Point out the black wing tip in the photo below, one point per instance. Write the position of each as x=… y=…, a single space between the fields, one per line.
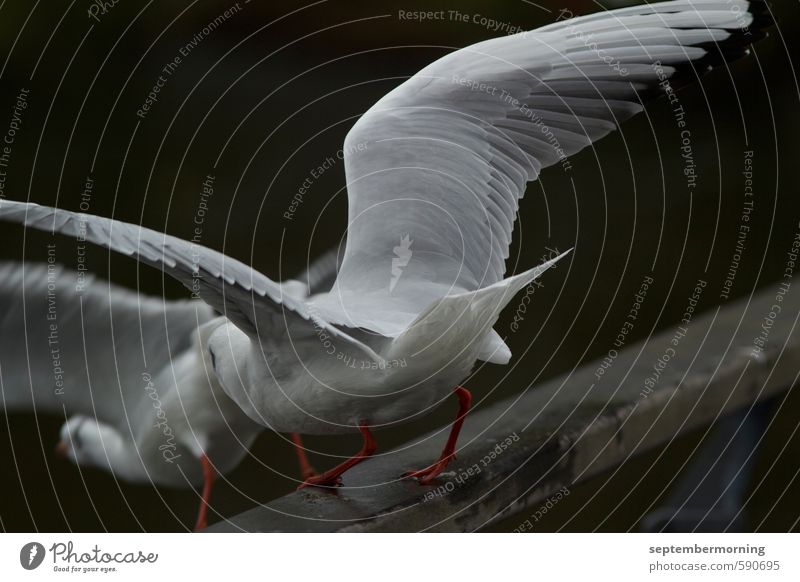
x=732 y=49
x=762 y=14
x=742 y=38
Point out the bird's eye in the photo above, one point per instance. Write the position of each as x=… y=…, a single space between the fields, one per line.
x=213 y=359
x=77 y=440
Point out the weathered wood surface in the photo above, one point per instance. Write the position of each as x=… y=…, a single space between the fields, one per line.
x=564 y=431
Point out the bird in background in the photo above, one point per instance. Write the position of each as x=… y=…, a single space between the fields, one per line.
x=129 y=372
x=442 y=160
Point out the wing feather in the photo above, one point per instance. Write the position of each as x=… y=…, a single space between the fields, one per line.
x=253 y=302
x=443 y=159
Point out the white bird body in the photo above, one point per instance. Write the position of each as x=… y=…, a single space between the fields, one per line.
x=348 y=390
x=435 y=171
x=128 y=371
x=326 y=386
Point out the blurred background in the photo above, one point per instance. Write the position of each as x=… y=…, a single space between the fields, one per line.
x=266 y=97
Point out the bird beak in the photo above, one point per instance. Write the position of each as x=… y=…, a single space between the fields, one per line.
x=61 y=449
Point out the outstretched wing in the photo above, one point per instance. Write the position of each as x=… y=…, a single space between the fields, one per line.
x=253 y=302
x=318 y=277
x=74 y=343
x=71 y=342
x=435 y=169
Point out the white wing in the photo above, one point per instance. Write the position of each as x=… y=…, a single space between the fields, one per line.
x=435 y=169
x=318 y=277
x=62 y=333
x=253 y=302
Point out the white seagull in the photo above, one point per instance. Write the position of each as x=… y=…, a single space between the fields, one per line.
x=130 y=372
x=434 y=173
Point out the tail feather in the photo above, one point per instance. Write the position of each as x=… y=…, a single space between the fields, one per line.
x=464 y=321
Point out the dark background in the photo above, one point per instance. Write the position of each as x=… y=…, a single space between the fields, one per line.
x=272 y=93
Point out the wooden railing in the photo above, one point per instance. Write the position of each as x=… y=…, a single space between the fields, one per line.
x=519 y=454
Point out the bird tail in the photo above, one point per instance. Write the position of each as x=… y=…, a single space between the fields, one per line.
x=463 y=322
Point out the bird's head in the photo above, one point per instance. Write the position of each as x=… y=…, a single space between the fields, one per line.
x=216 y=358
x=81 y=441
x=226 y=350
x=89 y=443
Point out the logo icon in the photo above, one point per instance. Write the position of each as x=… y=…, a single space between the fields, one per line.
x=402 y=254
x=31 y=555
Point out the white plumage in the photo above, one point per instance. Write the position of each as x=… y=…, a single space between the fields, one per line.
x=434 y=172
x=130 y=373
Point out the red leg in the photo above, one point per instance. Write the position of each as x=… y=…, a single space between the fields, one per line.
x=306 y=470
x=209 y=475
x=428 y=474
x=332 y=477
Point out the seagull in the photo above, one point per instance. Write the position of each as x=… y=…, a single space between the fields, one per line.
x=435 y=170
x=131 y=373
